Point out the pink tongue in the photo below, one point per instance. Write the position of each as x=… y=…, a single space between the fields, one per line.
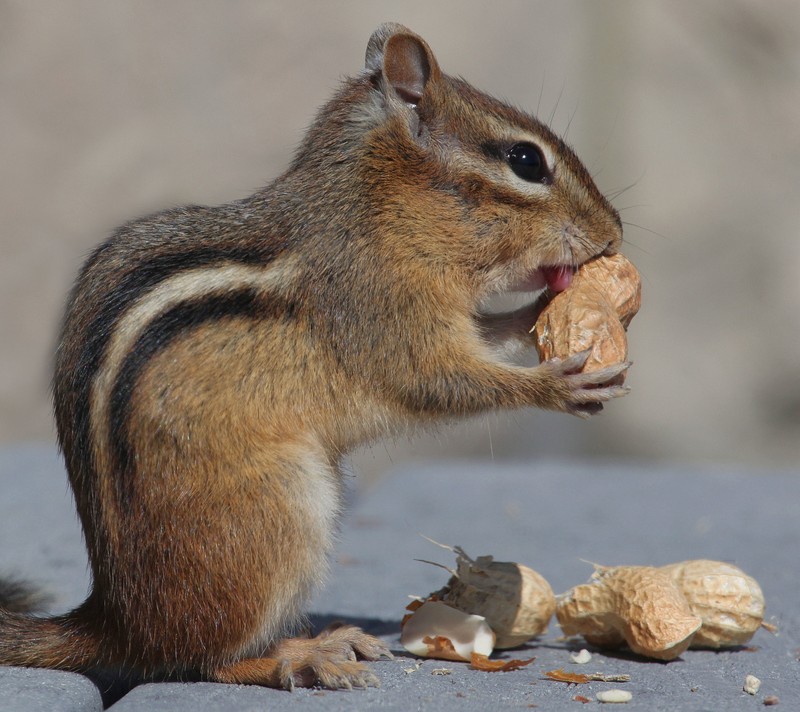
x=557 y=278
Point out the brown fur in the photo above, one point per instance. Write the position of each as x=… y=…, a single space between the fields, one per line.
x=216 y=363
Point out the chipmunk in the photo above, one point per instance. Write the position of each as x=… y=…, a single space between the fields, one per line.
x=217 y=363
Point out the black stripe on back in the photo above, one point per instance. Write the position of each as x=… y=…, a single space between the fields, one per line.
x=132 y=286
x=159 y=334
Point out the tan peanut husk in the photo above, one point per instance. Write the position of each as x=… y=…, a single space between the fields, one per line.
x=639 y=605
x=593 y=313
x=586 y=610
x=728 y=601
x=516 y=601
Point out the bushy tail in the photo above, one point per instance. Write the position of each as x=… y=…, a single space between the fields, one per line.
x=21 y=597
x=60 y=642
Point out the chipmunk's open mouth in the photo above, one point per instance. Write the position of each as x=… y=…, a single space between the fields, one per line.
x=555 y=277
x=558 y=278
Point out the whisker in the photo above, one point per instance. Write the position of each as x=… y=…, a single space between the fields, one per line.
x=555 y=108
x=614 y=194
x=541 y=91
x=627 y=243
x=634 y=207
x=569 y=123
x=646 y=229
x=604 y=147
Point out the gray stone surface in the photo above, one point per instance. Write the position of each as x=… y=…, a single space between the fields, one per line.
x=26 y=690
x=553 y=516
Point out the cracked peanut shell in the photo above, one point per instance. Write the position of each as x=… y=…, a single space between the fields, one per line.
x=516 y=601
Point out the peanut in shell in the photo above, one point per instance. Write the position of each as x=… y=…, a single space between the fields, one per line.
x=660 y=612
x=728 y=601
x=637 y=605
x=592 y=314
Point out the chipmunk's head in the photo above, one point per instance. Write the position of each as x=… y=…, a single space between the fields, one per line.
x=476 y=181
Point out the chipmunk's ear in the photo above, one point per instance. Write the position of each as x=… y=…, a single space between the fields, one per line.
x=405 y=61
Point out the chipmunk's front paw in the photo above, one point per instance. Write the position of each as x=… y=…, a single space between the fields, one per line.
x=583 y=394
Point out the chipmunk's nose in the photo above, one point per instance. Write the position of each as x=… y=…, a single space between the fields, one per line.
x=573 y=234
x=611 y=248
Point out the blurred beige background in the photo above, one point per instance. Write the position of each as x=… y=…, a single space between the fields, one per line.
x=112 y=109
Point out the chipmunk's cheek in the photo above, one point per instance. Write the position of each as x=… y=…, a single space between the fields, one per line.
x=534 y=282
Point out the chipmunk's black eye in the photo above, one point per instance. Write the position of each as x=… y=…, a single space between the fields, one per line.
x=527 y=161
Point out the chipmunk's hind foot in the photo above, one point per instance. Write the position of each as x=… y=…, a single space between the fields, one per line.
x=329 y=660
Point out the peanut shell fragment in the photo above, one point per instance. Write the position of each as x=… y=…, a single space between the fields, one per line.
x=516 y=601
x=436 y=630
x=482 y=662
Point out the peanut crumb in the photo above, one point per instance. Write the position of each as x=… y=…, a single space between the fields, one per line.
x=751 y=684
x=582 y=657
x=614 y=696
